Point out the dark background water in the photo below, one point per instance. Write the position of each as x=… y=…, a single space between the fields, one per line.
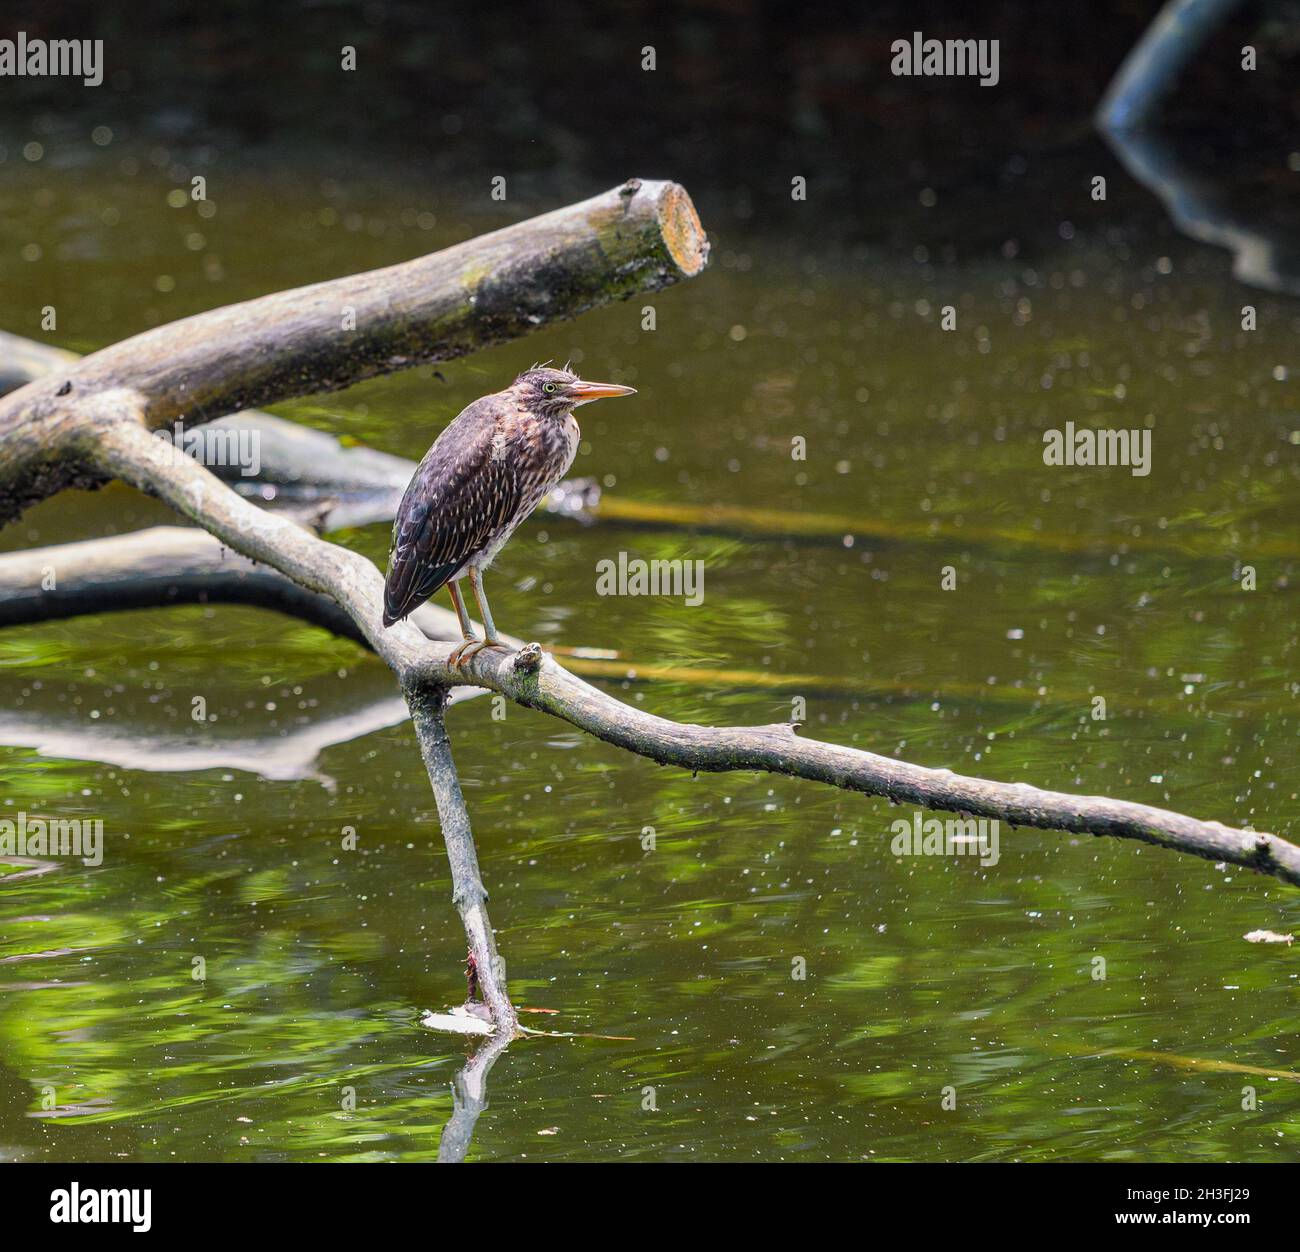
x=816 y=319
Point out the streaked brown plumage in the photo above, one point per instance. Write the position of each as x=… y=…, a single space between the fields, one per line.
x=483 y=475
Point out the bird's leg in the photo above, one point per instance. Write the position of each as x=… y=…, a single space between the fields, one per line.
x=471 y=647
x=466 y=627
x=490 y=637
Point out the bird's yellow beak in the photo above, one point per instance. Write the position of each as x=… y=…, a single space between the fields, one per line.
x=584 y=393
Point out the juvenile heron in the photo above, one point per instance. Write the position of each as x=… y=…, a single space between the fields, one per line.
x=484 y=474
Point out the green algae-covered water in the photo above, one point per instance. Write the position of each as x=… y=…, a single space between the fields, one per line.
x=948 y=1009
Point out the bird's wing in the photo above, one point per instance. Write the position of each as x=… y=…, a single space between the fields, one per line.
x=460 y=496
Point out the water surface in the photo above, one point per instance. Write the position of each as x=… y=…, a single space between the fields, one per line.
x=922 y=973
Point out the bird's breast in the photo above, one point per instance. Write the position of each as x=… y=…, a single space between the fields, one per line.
x=540 y=449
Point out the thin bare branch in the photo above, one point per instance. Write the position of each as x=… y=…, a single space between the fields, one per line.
x=426 y=703
x=532 y=679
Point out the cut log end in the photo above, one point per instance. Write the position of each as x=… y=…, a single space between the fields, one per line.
x=683 y=235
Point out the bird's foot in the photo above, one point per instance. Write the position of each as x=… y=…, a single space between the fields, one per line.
x=454 y=657
x=470 y=649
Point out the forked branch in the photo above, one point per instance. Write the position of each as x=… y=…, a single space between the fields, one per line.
x=92 y=423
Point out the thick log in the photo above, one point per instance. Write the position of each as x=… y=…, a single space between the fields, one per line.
x=289 y=455
x=639 y=237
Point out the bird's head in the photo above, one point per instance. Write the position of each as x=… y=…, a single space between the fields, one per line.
x=553 y=393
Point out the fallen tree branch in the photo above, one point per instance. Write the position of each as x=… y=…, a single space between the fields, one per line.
x=537 y=681
x=532 y=679
x=154 y=568
x=641 y=236
x=99 y=429
x=173 y=564
x=164 y=566
x=89 y=421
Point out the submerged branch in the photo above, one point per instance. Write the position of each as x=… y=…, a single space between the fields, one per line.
x=164 y=566
x=427 y=703
x=357 y=485
x=469 y=1099
x=1153 y=66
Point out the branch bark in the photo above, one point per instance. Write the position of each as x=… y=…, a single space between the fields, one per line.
x=536 y=681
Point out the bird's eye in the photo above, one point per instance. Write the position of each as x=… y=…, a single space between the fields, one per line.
x=549 y=388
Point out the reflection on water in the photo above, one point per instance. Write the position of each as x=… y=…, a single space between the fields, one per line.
x=1238 y=198
x=281 y=749
x=319 y=952
x=470 y=1092
x=1238 y=205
